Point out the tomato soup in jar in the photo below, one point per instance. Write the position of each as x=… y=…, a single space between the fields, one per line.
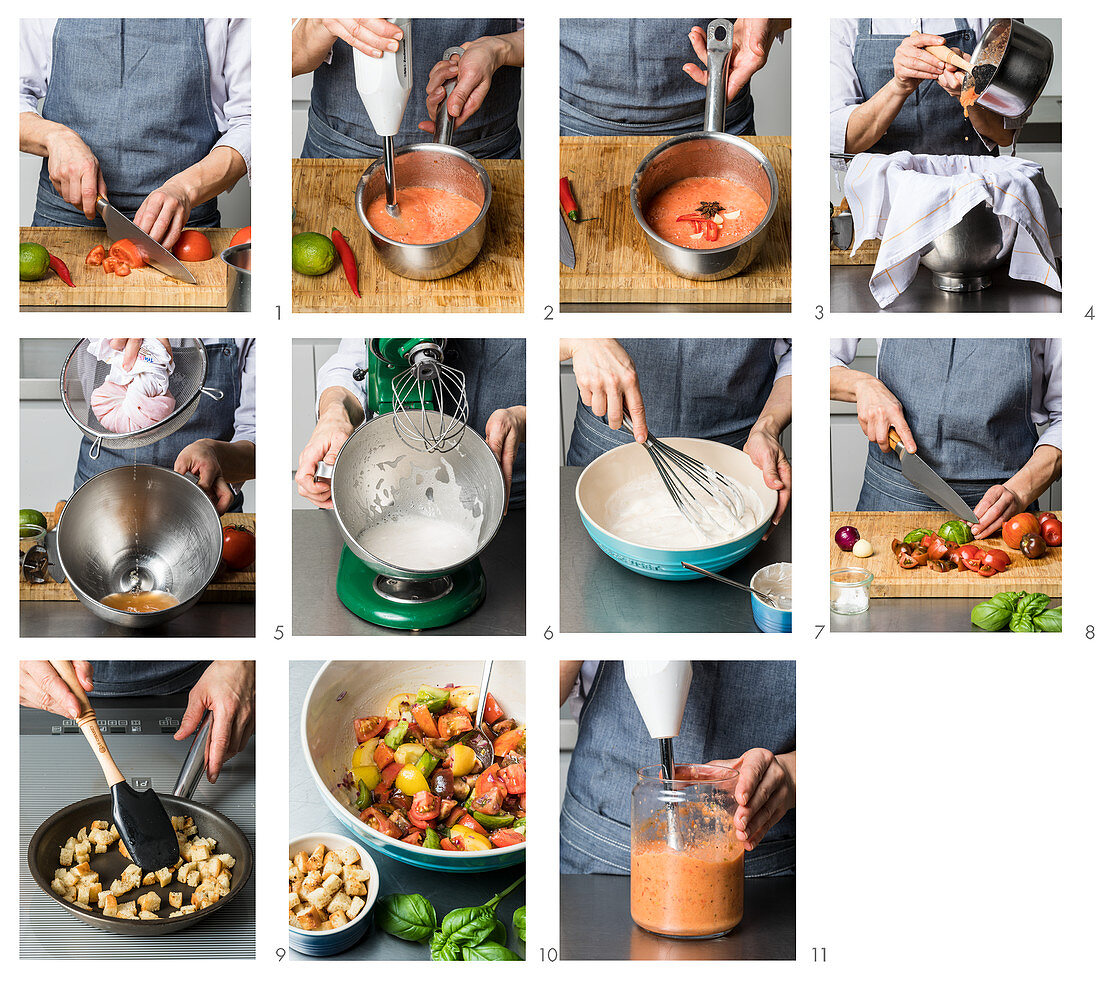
x=705 y=212
x=427 y=215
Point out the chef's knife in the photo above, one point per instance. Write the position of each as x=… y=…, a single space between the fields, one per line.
x=923 y=478
x=565 y=245
x=120 y=227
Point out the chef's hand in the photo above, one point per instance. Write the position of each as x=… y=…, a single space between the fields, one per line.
x=473 y=73
x=40 y=687
x=997 y=506
x=913 y=65
x=163 y=215
x=765 y=792
x=752 y=41
x=74 y=170
x=878 y=409
x=765 y=450
x=371 y=35
x=201 y=459
x=951 y=80
x=132 y=347
x=333 y=428
x=505 y=430
x=607 y=381
x=228 y=690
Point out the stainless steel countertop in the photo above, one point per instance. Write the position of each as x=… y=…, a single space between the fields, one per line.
x=599 y=595
x=848 y=293
x=317 y=609
x=596 y=924
x=912 y=614
x=446 y=891
x=71 y=619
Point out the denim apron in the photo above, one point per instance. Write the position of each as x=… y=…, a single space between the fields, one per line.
x=711 y=388
x=624 y=77
x=145 y=678
x=930 y=121
x=213 y=420
x=732 y=706
x=338 y=124
x=138 y=93
x=968 y=403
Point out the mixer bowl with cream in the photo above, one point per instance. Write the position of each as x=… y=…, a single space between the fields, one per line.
x=630 y=516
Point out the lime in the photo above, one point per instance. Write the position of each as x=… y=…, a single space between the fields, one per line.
x=28 y=518
x=312 y=253
x=34 y=261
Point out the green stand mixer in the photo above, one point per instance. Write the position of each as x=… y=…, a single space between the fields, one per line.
x=417 y=495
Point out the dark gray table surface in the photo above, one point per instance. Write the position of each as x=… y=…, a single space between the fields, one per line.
x=848 y=293
x=596 y=924
x=446 y=891
x=318 y=610
x=71 y=619
x=598 y=595
x=911 y=614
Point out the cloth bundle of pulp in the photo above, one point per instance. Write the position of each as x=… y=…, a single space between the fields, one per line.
x=138 y=398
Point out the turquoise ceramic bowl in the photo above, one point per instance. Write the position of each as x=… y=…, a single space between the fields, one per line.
x=768 y=619
x=322 y=943
x=345 y=690
x=612 y=469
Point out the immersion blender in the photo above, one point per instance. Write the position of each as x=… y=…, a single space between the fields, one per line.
x=384 y=85
x=660 y=690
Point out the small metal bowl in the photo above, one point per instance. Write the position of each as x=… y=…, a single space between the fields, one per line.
x=963 y=258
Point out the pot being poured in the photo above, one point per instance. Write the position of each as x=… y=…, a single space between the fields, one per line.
x=710 y=154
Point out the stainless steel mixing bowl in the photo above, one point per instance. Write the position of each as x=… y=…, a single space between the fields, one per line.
x=963 y=258
x=238 y=262
x=433 y=165
x=712 y=153
x=370 y=484
x=140 y=527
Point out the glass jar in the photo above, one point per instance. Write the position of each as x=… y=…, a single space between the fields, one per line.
x=687 y=868
x=850 y=590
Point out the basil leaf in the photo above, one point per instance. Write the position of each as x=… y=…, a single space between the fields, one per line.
x=1007 y=601
x=1032 y=604
x=443 y=949
x=1022 y=623
x=519 y=922
x=990 y=616
x=499 y=934
x=469 y=925
x=489 y=951
x=408 y=916
x=1050 y=620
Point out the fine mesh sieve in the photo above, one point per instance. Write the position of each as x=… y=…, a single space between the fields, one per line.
x=83 y=373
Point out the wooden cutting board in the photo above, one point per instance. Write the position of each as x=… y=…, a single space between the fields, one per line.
x=881 y=528
x=144 y=287
x=229 y=587
x=324 y=196
x=865 y=255
x=614 y=264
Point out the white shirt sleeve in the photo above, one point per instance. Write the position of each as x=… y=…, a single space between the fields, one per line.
x=845 y=93
x=1046 y=364
x=337 y=371
x=782 y=351
x=842 y=351
x=35 y=51
x=244 y=419
x=231 y=89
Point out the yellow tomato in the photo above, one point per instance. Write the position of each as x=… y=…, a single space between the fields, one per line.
x=465 y=696
x=402 y=702
x=408 y=753
x=464 y=759
x=411 y=780
x=364 y=754
x=473 y=841
x=369 y=774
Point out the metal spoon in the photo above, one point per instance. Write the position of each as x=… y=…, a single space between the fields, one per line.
x=482 y=695
x=765 y=597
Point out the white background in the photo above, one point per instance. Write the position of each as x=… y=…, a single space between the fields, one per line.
x=947 y=802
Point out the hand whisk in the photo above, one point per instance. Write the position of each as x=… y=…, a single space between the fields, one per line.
x=704 y=496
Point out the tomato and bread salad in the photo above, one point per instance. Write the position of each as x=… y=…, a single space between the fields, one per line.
x=423 y=773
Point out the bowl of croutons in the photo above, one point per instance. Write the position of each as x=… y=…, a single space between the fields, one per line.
x=333 y=887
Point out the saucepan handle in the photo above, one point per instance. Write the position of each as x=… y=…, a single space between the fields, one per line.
x=444 y=121
x=195 y=762
x=719 y=46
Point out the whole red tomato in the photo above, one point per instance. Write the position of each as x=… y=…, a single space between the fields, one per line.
x=192 y=247
x=1051 y=531
x=238 y=547
x=1017 y=527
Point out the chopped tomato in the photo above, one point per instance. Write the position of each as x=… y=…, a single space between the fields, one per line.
x=471 y=823
x=490 y=802
x=379 y=822
x=389 y=774
x=367 y=728
x=454 y=723
x=122 y=269
x=110 y=264
x=424 y=720
x=446 y=843
x=938 y=548
x=192 y=247
x=493 y=712
x=126 y=251
x=489 y=779
x=383 y=756
x=974 y=564
x=413 y=837
x=515 y=778
x=425 y=808
x=502 y=838
x=971 y=551
x=95 y=257
x=511 y=740
x=997 y=558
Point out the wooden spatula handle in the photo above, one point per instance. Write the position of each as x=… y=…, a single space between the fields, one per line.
x=944 y=53
x=87 y=722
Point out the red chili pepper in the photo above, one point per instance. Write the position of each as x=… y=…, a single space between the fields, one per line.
x=711 y=231
x=347 y=257
x=61 y=269
x=568 y=202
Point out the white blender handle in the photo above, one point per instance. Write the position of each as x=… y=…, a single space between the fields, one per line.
x=444 y=121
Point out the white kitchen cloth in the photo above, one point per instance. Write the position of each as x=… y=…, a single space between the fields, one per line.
x=150 y=372
x=905 y=200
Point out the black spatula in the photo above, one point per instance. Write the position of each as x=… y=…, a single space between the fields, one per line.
x=142 y=822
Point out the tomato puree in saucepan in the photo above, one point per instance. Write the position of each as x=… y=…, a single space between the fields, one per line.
x=696 y=891
x=427 y=215
x=734 y=209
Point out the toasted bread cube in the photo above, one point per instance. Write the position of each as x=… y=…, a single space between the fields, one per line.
x=188 y=909
x=148 y=915
x=83 y=869
x=66 y=855
x=163 y=876
x=312 y=881
x=300 y=862
x=223 y=884
x=293 y=900
x=311 y=920
x=149 y=901
x=199 y=851
x=340 y=902
x=149 y=879
x=317 y=857
x=332 y=865
x=175 y=899
x=82 y=835
x=118 y=888
x=122 y=848
x=193 y=878
x=79 y=904
x=128 y=909
x=184 y=871
x=58 y=887
x=100 y=824
x=350 y=856
x=357 y=904
x=82 y=897
x=94 y=891
x=107 y=901
x=227 y=861
x=337 y=919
